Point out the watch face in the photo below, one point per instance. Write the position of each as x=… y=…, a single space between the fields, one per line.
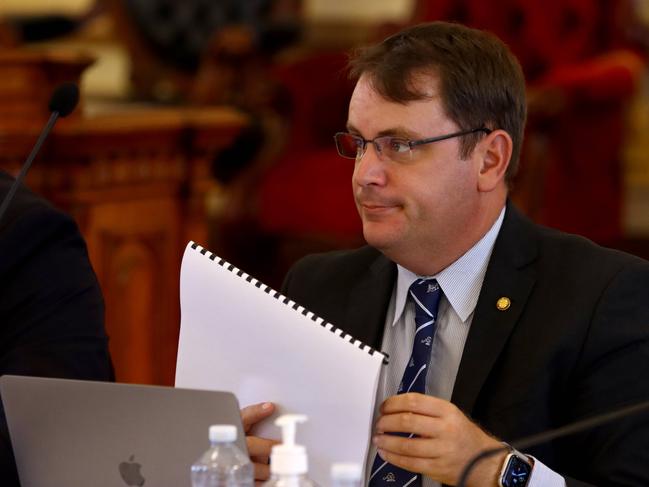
x=517 y=473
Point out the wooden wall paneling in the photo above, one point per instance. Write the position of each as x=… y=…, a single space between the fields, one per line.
x=135 y=181
x=136 y=248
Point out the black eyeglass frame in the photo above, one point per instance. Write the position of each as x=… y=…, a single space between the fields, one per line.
x=411 y=143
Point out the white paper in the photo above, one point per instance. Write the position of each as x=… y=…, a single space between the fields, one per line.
x=236 y=337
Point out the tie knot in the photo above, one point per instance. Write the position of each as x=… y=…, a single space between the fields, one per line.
x=426 y=294
x=423 y=288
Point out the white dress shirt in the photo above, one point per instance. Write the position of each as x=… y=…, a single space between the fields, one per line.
x=461 y=283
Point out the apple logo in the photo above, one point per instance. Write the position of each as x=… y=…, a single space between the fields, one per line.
x=130 y=472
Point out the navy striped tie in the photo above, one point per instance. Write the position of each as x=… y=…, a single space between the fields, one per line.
x=425 y=293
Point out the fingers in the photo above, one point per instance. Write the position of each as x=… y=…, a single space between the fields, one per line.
x=412 y=464
x=414 y=402
x=251 y=415
x=417 y=424
x=259 y=447
x=262 y=472
x=411 y=447
x=259 y=451
x=416 y=413
x=441 y=438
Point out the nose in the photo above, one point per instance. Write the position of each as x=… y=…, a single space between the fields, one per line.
x=369 y=169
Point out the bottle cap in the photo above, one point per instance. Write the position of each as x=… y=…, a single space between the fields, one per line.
x=223 y=433
x=288 y=458
x=348 y=472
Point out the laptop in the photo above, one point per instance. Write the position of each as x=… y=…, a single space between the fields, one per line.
x=70 y=433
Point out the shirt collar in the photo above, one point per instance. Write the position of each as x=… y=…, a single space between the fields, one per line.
x=460 y=282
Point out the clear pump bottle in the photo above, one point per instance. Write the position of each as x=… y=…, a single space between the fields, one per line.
x=288 y=461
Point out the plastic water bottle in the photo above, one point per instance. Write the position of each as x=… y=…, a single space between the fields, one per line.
x=224 y=464
x=346 y=475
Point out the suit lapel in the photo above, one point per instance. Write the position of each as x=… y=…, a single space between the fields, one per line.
x=369 y=300
x=509 y=274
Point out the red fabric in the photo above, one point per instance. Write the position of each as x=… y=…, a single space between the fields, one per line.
x=557 y=41
x=510 y=22
x=318 y=92
x=310 y=194
x=308 y=191
x=583 y=183
x=439 y=10
x=609 y=77
x=562 y=31
x=566 y=48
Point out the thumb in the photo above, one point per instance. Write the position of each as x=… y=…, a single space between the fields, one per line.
x=251 y=415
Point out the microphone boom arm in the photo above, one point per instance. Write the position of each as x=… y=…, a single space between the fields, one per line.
x=23 y=170
x=545 y=436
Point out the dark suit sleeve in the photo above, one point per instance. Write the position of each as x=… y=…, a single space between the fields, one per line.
x=51 y=307
x=612 y=373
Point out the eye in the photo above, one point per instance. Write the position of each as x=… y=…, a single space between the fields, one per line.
x=398 y=146
x=349 y=145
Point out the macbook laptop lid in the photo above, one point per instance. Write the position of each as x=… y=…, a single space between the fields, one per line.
x=69 y=433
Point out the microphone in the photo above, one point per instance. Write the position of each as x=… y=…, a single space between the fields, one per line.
x=64 y=99
x=63 y=102
x=545 y=436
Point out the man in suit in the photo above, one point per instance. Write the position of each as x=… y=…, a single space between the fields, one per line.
x=531 y=328
x=51 y=305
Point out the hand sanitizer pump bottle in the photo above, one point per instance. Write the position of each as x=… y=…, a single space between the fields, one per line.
x=288 y=461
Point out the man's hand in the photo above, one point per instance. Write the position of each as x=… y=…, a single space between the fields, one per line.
x=258 y=448
x=446 y=441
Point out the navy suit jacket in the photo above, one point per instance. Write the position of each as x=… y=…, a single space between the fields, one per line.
x=51 y=307
x=574 y=342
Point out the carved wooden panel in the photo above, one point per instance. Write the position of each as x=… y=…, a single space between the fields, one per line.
x=135 y=181
x=135 y=249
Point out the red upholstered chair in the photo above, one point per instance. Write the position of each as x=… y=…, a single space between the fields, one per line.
x=586 y=75
x=582 y=185
x=300 y=200
x=581 y=75
x=307 y=193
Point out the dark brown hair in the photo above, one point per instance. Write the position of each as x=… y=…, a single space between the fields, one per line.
x=481 y=82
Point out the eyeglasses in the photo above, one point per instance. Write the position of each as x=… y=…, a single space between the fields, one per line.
x=394 y=148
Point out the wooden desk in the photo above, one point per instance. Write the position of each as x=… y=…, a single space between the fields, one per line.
x=135 y=181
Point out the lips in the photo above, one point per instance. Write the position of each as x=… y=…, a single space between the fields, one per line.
x=376 y=208
x=370 y=202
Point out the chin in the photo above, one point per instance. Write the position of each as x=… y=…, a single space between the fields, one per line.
x=381 y=240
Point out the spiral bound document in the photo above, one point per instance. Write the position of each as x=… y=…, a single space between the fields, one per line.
x=238 y=335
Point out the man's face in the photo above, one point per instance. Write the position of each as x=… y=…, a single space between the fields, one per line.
x=410 y=209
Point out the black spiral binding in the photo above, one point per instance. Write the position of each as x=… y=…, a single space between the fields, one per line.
x=289 y=302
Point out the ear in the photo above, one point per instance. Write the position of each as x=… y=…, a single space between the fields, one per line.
x=495 y=154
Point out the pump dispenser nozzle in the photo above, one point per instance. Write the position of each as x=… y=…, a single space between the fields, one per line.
x=288 y=458
x=288 y=424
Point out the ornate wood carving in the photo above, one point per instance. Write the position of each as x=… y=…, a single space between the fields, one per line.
x=135 y=181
